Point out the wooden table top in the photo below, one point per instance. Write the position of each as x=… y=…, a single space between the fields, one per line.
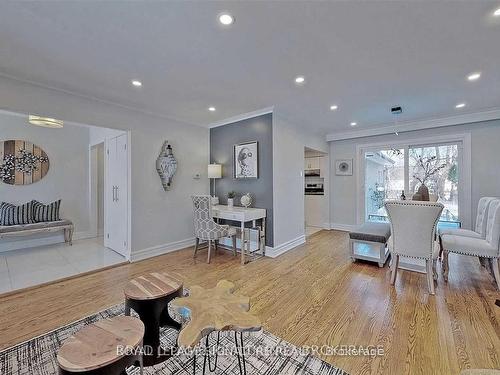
x=95 y=346
x=151 y=286
x=215 y=309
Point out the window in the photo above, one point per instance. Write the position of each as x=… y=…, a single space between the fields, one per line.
x=390 y=172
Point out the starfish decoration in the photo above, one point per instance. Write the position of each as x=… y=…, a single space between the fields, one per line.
x=216 y=309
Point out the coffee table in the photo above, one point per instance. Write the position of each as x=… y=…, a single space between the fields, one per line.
x=148 y=295
x=216 y=309
x=106 y=347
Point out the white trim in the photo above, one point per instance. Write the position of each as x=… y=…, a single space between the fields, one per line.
x=343 y=227
x=36 y=240
x=327 y=226
x=243 y=116
x=166 y=248
x=276 y=251
x=492 y=114
x=465 y=191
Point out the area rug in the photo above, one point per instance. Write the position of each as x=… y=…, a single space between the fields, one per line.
x=269 y=354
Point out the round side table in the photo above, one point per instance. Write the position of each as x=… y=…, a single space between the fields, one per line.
x=148 y=295
x=106 y=347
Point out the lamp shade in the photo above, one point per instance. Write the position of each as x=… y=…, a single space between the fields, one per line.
x=214 y=171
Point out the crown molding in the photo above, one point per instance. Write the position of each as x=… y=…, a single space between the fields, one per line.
x=492 y=114
x=243 y=116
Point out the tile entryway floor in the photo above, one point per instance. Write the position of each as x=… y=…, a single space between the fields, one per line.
x=27 y=267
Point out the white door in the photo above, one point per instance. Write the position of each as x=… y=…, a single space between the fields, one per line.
x=116 y=200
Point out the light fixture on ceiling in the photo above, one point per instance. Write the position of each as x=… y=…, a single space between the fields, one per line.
x=46 y=122
x=226 y=19
x=496 y=13
x=354 y=123
x=211 y=109
x=300 y=80
x=474 y=76
x=460 y=105
x=136 y=83
x=334 y=107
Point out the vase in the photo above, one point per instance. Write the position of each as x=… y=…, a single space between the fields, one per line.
x=230 y=202
x=422 y=194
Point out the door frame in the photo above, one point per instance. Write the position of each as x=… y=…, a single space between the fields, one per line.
x=129 y=189
x=465 y=188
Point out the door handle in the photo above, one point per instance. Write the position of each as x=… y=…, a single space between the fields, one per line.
x=117 y=197
x=114 y=193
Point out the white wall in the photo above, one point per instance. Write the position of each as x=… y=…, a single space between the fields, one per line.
x=67 y=178
x=485 y=172
x=161 y=220
x=289 y=140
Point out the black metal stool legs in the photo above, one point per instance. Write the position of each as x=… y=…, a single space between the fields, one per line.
x=240 y=346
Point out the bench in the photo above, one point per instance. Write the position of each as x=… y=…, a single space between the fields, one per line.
x=374 y=237
x=35 y=228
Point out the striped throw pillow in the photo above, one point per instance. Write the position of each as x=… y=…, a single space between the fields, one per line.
x=16 y=215
x=46 y=212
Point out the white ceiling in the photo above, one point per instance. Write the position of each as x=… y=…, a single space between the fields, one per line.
x=363 y=56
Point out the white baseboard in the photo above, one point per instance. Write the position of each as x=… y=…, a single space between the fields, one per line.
x=35 y=240
x=327 y=226
x=343 y=227
x=161 y=249
x=276 y=251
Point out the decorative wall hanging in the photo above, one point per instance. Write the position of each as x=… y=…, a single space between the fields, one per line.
x=343 y=167
x=246 y=160
x=166 y=165
x=22 y=162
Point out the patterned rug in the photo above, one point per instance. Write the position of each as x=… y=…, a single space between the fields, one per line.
x=267 y=354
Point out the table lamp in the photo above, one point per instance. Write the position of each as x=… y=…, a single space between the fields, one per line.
x=214 y=171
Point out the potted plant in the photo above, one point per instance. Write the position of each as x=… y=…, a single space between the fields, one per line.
x=427 y=167
x=230 y=198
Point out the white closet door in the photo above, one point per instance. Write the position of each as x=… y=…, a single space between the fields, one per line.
x=117 y=195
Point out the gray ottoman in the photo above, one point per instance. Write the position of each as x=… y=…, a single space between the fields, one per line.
x=369 y=242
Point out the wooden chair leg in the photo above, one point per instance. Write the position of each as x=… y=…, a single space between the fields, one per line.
x=394 y=268
x=209 y=251
x=445 y=265
x=196 y=245
x=434 y=270
x=430 y=278
x=496 y=272
x=234 y=244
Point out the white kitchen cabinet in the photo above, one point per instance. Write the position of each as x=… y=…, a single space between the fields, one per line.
x=314 y=210
x=312 y=163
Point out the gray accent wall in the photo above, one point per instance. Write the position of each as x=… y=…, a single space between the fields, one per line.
x=222 y=140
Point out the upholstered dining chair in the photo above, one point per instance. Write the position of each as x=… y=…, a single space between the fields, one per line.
x=413 y=233
x=206 y=229
x=488 y=247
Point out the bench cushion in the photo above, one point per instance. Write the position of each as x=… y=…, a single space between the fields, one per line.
x=372 y=232
x=23 y=227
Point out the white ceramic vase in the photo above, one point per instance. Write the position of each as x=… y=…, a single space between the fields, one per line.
x=230 y=202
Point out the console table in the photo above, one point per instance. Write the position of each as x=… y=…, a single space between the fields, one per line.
x=244 y=215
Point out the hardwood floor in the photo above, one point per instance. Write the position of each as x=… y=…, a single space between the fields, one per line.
x=312 y=295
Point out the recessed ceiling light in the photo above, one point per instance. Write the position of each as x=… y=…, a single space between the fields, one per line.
x=300 y=80
x=354 y=123
x=460 y=105
x=496 y=13
x=211 y=109
x=226 y=19
x=136 y=83
x=333 y=107
x=45 y=122
x=474 y=76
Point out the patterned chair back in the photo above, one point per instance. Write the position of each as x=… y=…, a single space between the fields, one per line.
x=205 y=228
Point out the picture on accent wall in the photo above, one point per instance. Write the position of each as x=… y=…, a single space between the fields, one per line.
x=246 y=160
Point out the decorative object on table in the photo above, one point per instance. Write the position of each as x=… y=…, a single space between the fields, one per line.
x=166 y=165
x=214 y=172
x=22 y=162
x=343 y=167
x=426 y=166
x=37 y=356
x=246 y=160
x=148 y=295
x=95 y=348
x=230 y=198
x=246 y=200
x=403 y=196
x=214 y=200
